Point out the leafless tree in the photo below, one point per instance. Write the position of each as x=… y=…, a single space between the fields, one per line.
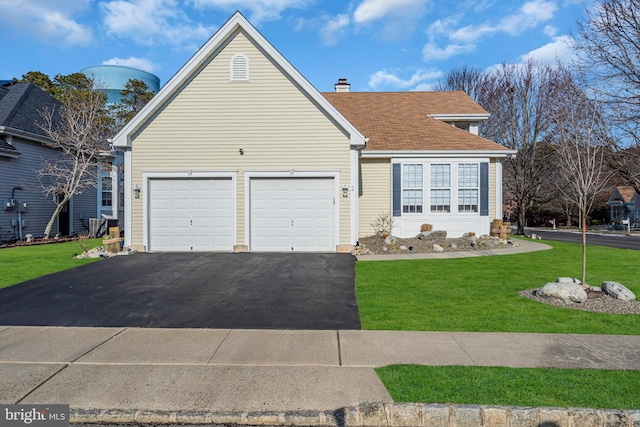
x=519 y=98
x=582 y=145
x=76 y=130
x=608 y=44
x=466 y=78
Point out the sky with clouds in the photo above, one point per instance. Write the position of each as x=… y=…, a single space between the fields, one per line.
x=378 y=45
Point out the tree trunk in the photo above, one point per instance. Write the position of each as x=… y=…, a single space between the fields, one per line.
x=522 y=214
x=56 y=212
x=584 y=252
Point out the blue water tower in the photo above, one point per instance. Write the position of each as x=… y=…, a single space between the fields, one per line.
x=115 y=77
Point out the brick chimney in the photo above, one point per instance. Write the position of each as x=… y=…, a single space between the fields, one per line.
x=342 y=85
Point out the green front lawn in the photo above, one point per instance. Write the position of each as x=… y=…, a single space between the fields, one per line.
x=481 y=293
x=578 y=388
x=29 y=262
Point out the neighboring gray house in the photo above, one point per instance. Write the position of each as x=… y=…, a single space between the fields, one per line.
x=624 y=204
x=21 y=154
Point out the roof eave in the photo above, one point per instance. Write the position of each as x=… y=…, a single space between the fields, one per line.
x=438 y=153
x=23 y=134
x=460 y=117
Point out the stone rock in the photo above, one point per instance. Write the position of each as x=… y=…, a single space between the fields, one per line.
x=453 y=246
x=433 y=235
x=384 y=249
x=403 y=248
x=565 y=292
x=568 y=280
x=535 y=237
x=486 y=237
x=438 y=248
x=29 y=238
x=100 y=254
x=384 y=234
x=618 y=291
x=426 y=227
x=390 y=240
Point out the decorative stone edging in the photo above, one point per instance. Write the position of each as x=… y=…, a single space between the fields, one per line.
x=375 y=415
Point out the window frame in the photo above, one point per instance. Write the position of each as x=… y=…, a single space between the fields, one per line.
x=464 y=185
x=417 y=188
x=106 y=190
x=439 y=188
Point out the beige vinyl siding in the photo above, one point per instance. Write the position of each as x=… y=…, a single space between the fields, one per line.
x=375 y=198
x=492 y=189
x=206 y=124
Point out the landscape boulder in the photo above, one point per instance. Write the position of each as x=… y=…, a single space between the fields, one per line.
x=426 y=227
x=437 y=248
x=569 y=280
x=565 y=292
x=617 y=291
x=390 y=240
x=433 y=235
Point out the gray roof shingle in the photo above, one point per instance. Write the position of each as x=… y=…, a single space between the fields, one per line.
x=21 y=105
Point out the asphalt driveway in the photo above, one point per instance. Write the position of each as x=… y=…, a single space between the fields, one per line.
x=192 y=290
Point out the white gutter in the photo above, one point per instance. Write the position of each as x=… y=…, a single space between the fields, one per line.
x=438 y=153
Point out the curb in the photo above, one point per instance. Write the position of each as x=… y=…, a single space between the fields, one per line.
x=373 y=415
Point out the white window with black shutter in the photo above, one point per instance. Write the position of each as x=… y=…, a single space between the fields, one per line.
x=450 y=194
x=412 y=184
x=468 y=186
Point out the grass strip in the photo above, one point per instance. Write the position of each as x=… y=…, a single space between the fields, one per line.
x=481 y=293
x=578 y=388
x=22 y=263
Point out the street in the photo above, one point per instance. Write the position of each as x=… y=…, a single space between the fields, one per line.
x=622 y=241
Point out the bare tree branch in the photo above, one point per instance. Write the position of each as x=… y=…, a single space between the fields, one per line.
x=76 y=130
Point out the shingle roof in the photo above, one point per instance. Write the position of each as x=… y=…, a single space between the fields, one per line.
x=400 y=120
x=626 y=192
x=21 y=104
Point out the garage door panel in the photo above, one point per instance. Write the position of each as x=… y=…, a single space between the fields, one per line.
x=292 y=214
x=191 y=214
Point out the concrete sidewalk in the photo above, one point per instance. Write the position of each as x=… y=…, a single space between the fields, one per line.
x=219 y=371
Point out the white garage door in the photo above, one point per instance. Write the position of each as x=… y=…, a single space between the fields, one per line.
x=191 y=215
x=292 y=214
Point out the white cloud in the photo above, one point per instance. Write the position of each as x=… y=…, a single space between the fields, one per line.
x=151 y=22
x=559 y=49
x=371 y=10
x=550 y=30
x=387 y=79
x=530 y=15
x=48 y=21
x=260 y=10
x=432 y=52
x=398 y=17
x=139 y=63
x=471 y=33
x=333 y=29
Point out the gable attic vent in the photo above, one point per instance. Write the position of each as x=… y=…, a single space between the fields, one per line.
x=239 y=68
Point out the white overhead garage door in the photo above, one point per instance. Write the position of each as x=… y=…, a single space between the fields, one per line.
x=191 y=214
x=292 y=214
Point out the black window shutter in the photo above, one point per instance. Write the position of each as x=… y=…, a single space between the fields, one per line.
x=484 y=189
x=397 y=189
